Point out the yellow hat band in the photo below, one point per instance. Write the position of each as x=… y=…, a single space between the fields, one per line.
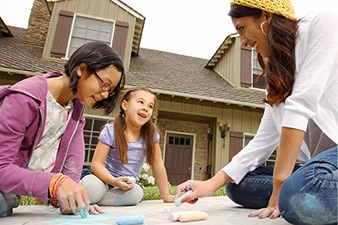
x=280 y=7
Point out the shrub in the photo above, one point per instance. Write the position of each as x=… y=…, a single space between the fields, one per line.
x=145 y=178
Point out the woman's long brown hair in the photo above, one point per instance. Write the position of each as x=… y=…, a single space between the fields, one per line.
x=148 y=131
x=279 y=70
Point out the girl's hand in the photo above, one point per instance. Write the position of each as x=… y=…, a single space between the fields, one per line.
x=168 y=199
x=122 y=183
x=72 y=197
x=95 y=209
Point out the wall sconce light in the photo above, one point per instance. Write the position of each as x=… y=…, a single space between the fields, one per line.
x=209 y=135
x=224 y=129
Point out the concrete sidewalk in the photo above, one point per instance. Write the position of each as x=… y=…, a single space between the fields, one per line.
x=221 y=211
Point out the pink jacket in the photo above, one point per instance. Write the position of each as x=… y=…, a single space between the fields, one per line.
x=23 y=115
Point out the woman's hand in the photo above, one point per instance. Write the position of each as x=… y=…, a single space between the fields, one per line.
x=270 y=211
x=72 y=197
x=199 y=188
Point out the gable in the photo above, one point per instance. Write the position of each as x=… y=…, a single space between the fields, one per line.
x=124 y=34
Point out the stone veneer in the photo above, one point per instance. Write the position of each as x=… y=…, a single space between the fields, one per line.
x=38 y=23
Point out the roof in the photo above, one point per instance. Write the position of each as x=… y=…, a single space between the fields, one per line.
x=221 y=49
x=163 y=72
x=4 y=31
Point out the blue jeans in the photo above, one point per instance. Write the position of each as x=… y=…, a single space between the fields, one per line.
x=308 y=196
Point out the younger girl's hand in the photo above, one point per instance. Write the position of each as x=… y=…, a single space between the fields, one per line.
x=122 y=183
x=95 y=209
x=169 y=198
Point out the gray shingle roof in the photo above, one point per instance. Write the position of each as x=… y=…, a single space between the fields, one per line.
x=163 y=72
x=186 y=76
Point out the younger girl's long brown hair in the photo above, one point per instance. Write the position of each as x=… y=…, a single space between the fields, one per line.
x=147 y=131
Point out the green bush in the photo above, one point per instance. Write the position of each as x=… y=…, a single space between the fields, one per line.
x=150 y=193
x=153 y=193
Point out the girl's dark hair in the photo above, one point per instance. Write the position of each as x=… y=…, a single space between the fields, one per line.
x=96 y=55
x=279 y=71
x=148 y=131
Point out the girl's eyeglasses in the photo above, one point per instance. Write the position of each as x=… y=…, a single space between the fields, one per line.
x=105 y=86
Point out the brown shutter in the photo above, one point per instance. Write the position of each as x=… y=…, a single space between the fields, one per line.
x=236 y=143
x=62 y=33
x=120 y=37
x=246 y=67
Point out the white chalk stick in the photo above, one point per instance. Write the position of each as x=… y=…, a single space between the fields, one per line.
x=178 y=201
x=131 y=180
x=174 y=215
x=186 y=217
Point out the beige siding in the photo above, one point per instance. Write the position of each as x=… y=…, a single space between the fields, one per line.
x=240 y=119
x=196 y=117
x=105 y=9
x=228 y=65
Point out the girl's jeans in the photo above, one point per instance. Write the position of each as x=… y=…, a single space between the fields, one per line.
x=308 y=196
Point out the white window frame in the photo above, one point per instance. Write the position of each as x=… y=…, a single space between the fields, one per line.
x=256 y=69
x=71 y=49
x=91 y=134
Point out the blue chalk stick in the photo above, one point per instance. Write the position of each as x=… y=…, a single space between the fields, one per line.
x=130 y=220
x=178 y=201
x=82 y=214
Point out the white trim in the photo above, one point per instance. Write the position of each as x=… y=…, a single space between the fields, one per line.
x=128 y=9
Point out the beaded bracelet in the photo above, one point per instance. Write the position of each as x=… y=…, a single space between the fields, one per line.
x=55 y=183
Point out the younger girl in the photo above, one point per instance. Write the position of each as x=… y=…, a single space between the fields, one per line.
x=122 y=149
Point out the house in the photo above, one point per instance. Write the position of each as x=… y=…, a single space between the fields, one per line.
x=208 y=109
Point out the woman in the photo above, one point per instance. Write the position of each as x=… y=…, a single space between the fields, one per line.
x=41 y=128
x=299 y=62
x=122 y=149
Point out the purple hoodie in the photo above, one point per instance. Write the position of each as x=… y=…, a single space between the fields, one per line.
x=21 y=131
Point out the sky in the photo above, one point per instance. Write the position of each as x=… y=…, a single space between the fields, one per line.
x=186 y=27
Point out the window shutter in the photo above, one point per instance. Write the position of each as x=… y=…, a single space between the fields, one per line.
x=62 y=33
x=246 y=67
x=236 y=143
x=120 y=37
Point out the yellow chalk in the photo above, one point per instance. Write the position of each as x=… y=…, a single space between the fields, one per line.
x=186 y=216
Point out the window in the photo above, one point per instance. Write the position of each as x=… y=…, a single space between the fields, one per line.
x=256 y=71
x=247 y=138
x=239 y=140
x=250 y=69
x=74 y=30
x=91 y=134
x=86 y=29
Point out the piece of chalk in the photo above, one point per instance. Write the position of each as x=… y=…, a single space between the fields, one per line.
x=131 y=180
x=186 y=217
x=174 y=215
x=82 y=214
x=130 y=220
x=178 y=201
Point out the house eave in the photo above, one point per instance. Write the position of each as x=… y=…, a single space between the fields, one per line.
x=204 y=98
